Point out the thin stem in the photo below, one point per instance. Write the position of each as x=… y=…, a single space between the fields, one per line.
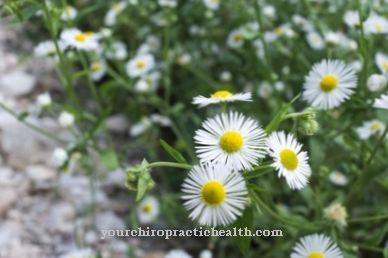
x=363 y=46
x=377 y=145
x=169 y=164
x=202 y=76
x=35 y=128
x=377 y=217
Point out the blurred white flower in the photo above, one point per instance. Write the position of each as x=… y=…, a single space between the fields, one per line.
x=116 y=50
x=82 y=253
x=59 y=157
x=44 y=100
x=235 y=39
x=369 y=128
x=336 y=213
x=116 y=9
x=98 y=70
x=212 y=4
x=352 y=19
x=148 y=210
x=69 y=13
x=80 y=40
x=140 y=65
x=376 y=24
x=376 y=82
x=140 y=127
x=338 y=178
x=66 y=119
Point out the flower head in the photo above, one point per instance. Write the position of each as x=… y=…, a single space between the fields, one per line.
x=79 y=40
x=289 y=160
x=221 y=96
x=336 y=213
x=140 y=65
x=214 y=193
x=381 y=102
x=231 y=139
x=369 y=128
x=329 y=83
x=316 y=246
x=147 y=210
x=338 y=178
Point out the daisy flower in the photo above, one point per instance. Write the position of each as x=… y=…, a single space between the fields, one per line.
x=221 y=96
x=116 y=9
x=66 y=119
x=44 y=100
x=382 y=102
x=116 y=50
x=140 y=65
x=352 y=19
x=140 y=127
x=336 y=213
x=47 y=49
x=316 y=246
x=315 y=40
x=376 y=82
x=231 y=139
x=177 y=253
x=289 y=160
x=376 y=24
x=329 y=83
x=212 y=4
x=147 y=210
x=369 y=128
x=338 y=178
x=78 y=39
x=99 y=70
x=381 y=61
x=215 y=194
x=69 y=13
x=235 y=39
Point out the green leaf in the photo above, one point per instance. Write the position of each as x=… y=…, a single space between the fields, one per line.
x=25 y=14
x=245 y=221
x=256 y=188
x=141 y=188
x=274 y=124
x=174 y=153
x=385 y=252
x=249 y=35
x=109 y=159
x=378 y=238
x=351 y=143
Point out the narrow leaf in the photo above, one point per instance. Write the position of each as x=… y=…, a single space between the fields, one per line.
x=174 y=153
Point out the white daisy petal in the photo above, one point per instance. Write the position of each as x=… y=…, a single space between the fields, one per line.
x=316 y=246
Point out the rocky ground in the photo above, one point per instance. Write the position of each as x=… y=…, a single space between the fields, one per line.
x=44 y=212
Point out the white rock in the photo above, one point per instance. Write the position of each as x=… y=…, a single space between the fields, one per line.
x=39 y=173
x=117 y=124
x=6 y=177
x=8 y=196
x=17 y=83
x=109 y=220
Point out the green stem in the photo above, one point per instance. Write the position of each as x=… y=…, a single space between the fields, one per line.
x=377 y=145
x=202 y=76
x=35 y=128
x=169 y=164
x=377 y=217
x=363 y=47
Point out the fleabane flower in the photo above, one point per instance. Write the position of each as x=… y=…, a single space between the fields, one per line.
x=316 y=246
x=352 y=19
x=98 y=70
x=215 y=194
x=289 y=160
x=235 y=39
x=231 y=139
x=369 y=128
x=212 y=4
x=140 y=65
x=111 y=15
x=381 y=61
x=44 y=100
x=79 y=40
x=336 y=213
x=116 y=50
x=177 y=253
x=338 y=178
x=221 y=96
x=315 y=40
x=381 y=102
x=69 y=13
x=329 y=83
x=48 y=50
x=66 y=119
x=376 y=82
x=376 y=24
x=147 y=210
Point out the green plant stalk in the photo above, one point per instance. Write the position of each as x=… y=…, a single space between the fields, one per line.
x=202 y=76
x=166 y=77
x=259 y=19
x=69 y=82
x=363 y=48
x=377 y=217
x=278 y=217
x=169 y=164
x=35 y=128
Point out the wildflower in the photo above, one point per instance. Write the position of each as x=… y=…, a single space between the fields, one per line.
x=376 y=82
x=381 y=61
x=140 y=65
x=215 y=194
x=269 y=11
x=265 y=90
x=161 y=120
x=369 y=128
x=329 y=83
x=352 y=19
x=147 y=210
x=289 y=160
x=221 y=96
x=168 y=3
x=47 y=49
x=235 y=39
x=338 y=178
x=206 y=254
x=376 y=24
x=69 y=13
x=382 y=102
x=336 y=213
x=139 y=128
x=78 y=39
x=225 y=76
x=212 y=4
x=111 y=15
x=44 y=100
x=66 y=119
x=316 y=246
x=98 y=70
x=59 y=157
x=177 y=253
x=332 y=38
x=231 y=139
x=116 y=50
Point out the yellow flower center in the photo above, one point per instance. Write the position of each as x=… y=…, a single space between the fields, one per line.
x=117 y=7
x=379 y=27
x=231 y=141
x=222 y=94
x=80 y=37
x=316 y=255
x=329 y=83
x=278 y=31
x=289 y=159
x=68 y=10
x=88 y=33
x=375 y=126
x=237 y=38
x=213 y=193
x=385 y=65
x=96 y=66
x=147 y=208
x=141 y=64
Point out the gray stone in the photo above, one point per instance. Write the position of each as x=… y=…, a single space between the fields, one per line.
x=17 y=83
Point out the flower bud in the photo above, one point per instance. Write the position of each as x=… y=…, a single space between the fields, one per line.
x=376 y=82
